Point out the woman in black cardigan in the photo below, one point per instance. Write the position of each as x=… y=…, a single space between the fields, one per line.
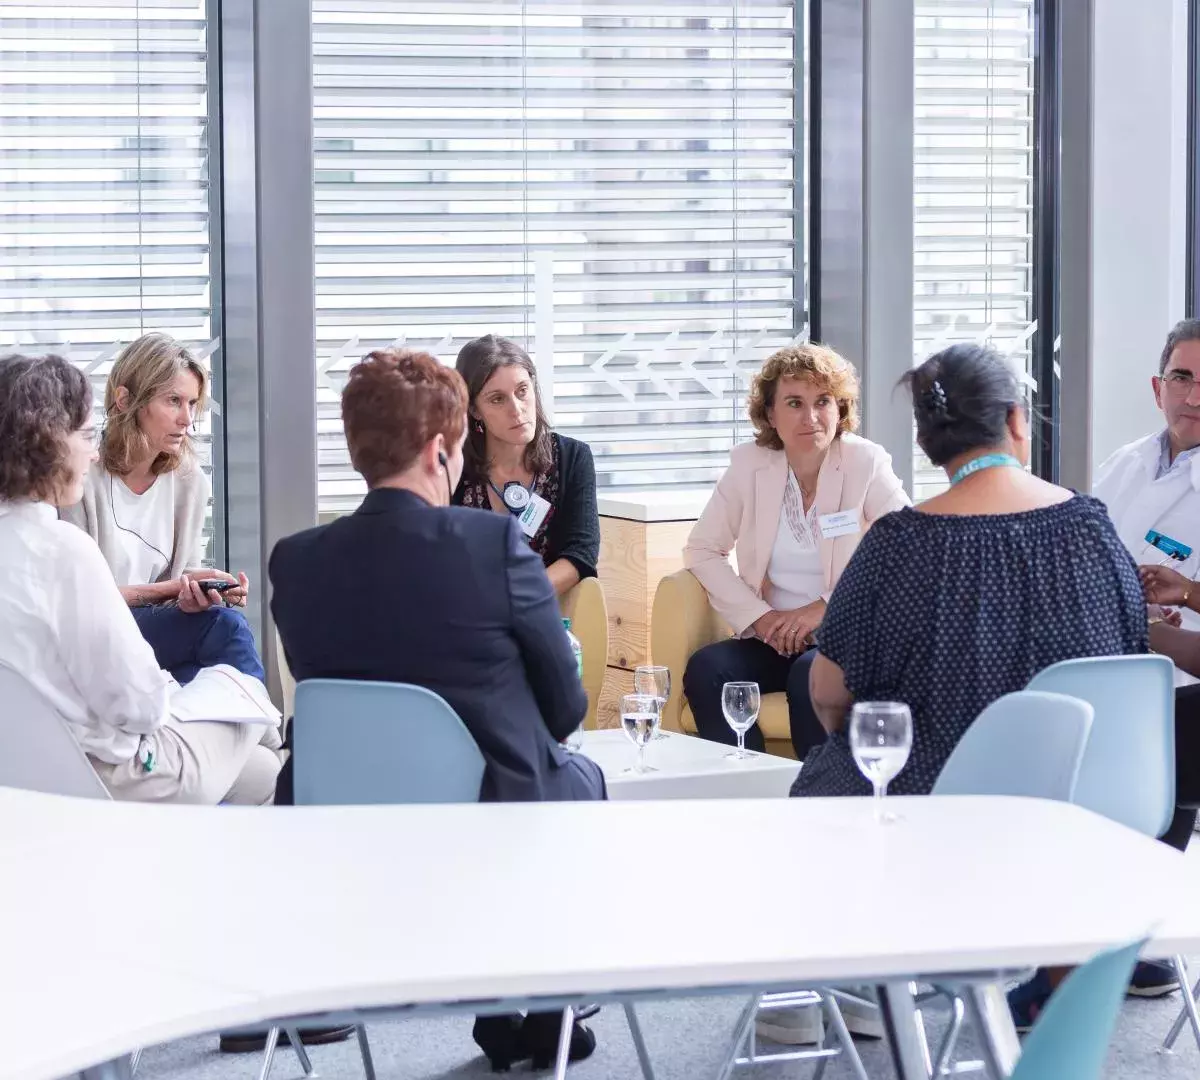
x=514 y=464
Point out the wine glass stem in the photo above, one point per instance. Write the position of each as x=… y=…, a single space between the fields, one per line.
x=641 y=758
x=741 y=750
x=880 y=792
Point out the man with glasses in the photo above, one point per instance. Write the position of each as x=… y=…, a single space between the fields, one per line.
x=1152 y=487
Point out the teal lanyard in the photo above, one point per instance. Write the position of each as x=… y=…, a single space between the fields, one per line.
x=985 y=461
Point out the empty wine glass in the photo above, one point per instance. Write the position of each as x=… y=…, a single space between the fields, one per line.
x=740 y=703
x=880 y=739
x=654 y=682
x=640 y=714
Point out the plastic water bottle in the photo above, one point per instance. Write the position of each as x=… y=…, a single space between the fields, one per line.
x=574 y=741
x=576 y=648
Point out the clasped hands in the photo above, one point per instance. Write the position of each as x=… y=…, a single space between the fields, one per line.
x=789 y=633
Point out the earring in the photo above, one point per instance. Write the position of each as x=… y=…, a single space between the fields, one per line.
x=478 y=427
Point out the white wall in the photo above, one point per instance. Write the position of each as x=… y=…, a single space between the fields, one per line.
x=1139 y=139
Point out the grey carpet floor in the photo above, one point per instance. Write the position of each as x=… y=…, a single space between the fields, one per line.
x=686 y=1039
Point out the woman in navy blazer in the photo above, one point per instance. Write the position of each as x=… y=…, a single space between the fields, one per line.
x=409 y=589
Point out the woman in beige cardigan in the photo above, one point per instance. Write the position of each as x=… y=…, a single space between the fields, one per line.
x=793 y=505
x=144 y=503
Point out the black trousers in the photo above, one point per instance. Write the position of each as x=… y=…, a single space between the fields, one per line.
x=750 y=660
x=1187 y=767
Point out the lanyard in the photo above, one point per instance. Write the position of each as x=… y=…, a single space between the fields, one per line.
x=985 y=461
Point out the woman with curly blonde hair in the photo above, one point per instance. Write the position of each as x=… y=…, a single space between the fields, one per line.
x=144 y=503
x=793 y=504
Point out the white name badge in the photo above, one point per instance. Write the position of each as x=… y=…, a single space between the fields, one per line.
x=533 y=515
x=843 y=523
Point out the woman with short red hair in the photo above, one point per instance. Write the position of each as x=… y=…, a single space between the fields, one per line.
x=409 y=589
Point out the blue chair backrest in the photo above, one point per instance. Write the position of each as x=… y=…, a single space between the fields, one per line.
x=1028 y=743
x=1128 y=771
x=372 y=743
x=1071 y=1036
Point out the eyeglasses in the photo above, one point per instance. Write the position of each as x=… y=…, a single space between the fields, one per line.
x=1179 y=382
x=90 y=434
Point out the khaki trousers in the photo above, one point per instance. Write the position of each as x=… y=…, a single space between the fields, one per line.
x=201 y=762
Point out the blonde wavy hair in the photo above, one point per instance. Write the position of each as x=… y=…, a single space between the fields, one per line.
x=828 y=370
x=146 y=367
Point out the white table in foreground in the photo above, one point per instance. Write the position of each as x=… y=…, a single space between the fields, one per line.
x=687 y=768
x=123 y=925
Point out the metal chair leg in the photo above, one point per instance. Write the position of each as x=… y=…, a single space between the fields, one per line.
x=301 y=1050
x=1182 y=1018
x=364 y=1048
x=988 y=1008
x=919 y=1021
x=564 y=1043
x=134 y=1058
x=269 y=1053
x=1188 y=1010
x=639 y=1042
x=849 y=1050
x=941 y=1065
x=744 y=1023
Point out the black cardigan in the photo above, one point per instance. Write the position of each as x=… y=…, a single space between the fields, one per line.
x=574 y=530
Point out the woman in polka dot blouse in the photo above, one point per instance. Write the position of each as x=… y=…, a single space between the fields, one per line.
x=950 y=605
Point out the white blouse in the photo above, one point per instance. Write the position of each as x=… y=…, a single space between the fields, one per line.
x=795 y=574
x=69 y=633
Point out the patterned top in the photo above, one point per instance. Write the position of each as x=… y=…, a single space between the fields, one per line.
x=946 y=614
x=475 y=494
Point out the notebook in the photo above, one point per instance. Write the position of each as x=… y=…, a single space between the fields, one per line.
x=223 y=693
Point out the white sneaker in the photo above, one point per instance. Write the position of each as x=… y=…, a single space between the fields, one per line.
x=795 y=1027
x=862 y=1017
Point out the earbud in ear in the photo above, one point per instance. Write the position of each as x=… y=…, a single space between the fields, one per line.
x=441 y=459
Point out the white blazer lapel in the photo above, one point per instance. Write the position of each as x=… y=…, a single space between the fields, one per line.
x=770 y=480
x=829 y=501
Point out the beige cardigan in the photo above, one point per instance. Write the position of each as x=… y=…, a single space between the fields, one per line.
x=743 y=516
x=94 y=515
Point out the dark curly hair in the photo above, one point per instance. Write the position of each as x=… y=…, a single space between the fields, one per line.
x=42 y=400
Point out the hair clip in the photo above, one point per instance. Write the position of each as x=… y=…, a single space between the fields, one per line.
x=935 y=399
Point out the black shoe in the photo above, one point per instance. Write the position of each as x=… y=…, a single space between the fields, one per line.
x=249 y=1042
x=541 y=1035
x=502 y=1040
x=1152 y=979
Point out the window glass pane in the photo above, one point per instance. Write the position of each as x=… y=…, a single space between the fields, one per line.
x=973 y=181
x=614 y=183
x=104 y=180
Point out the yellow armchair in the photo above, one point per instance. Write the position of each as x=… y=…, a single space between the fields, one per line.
x=585 y=606
x=682 y=622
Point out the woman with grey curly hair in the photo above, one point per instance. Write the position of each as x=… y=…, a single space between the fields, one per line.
x=69 y=633
x=793 y=504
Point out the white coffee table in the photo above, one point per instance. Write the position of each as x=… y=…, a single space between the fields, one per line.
x=687 y=768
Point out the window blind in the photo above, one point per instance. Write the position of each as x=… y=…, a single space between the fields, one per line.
x=974 y=183
x=104 y=179
x=613 y=183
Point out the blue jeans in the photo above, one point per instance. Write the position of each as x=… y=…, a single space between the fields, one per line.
x=183 y=643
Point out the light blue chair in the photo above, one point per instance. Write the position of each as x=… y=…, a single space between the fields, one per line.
x=1128 y=771
x=1071 y=1036
x=375 y=743
x=372 y=743
x=1028 y=743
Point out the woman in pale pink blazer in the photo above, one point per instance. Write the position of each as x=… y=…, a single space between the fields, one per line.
x=793 y=505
